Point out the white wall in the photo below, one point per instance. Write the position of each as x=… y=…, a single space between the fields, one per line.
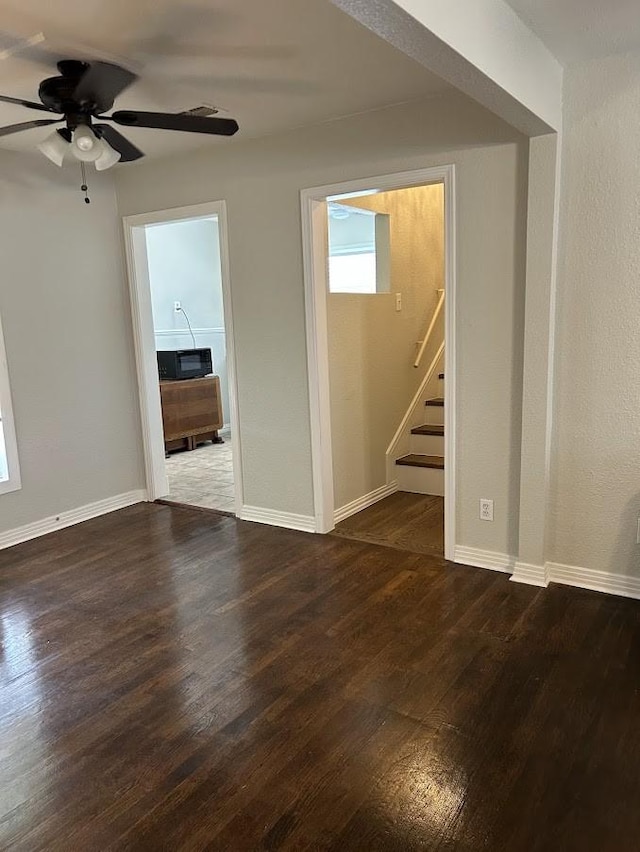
x=184 y=266
x=261 y=181
x=68 y=337
x=595 y=494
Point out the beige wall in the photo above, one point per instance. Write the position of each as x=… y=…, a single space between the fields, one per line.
x=261 y=181
x=67 y=330
x=595 y=493
x=372 y=347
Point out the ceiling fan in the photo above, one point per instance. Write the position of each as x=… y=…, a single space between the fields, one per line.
x=82 y=93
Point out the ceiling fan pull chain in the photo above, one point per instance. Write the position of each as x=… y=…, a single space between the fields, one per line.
x=84 y=186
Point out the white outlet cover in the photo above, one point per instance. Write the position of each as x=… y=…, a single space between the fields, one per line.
x=486 y=509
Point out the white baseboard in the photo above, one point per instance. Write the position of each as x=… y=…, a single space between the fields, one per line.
x=531 y=575
x=69 y=518
x=484 y=559
x=551 y=572
x=596 y=581
x=364 y=502
x=304 y=523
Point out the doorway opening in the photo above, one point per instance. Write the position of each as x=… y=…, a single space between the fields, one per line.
x=183 y=329
x=380 y=285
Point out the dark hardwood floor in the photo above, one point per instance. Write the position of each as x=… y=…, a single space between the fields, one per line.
x=173 y=680
x=413 y=522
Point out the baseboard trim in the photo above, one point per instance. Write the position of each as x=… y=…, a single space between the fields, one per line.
x=365 y=501
x=550 y=572
x=531 y=575
x=304 y=523
x=595 y=581
x=70 y=518
x=484 y=559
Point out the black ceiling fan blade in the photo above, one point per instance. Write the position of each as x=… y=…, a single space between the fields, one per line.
x=118 y=142
x=27 y=125
x=103 y=82
x=30 y=104
x=171 y=121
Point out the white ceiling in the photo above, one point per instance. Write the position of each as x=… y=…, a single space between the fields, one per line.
x=270 y=64
x=576 y=30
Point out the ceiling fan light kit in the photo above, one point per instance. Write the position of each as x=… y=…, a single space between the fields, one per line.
x=82 y=93
x=84 y=146
x=54 y=147
x=108 y=157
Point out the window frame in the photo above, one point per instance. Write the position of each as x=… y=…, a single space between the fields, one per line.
x=14 y=482
x=379 y=247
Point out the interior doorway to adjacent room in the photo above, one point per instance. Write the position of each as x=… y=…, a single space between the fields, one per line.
x=378 y=263
x=184 y=345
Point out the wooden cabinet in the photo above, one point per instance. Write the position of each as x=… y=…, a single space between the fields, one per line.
x=191 y=412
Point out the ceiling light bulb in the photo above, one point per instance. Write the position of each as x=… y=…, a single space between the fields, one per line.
x=84 y=138
x=85 y=144
x=55 y=147
x=108 y=156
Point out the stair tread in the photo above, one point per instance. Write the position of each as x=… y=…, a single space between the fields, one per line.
x=419 y=460
x=436 y=401
x=428 y=429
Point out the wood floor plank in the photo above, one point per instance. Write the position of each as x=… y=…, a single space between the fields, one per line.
x=176 y=680
x=405 y=521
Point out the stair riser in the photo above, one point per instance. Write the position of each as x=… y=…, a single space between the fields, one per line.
x=420 y=480
x=427 y=445
x=434 y=415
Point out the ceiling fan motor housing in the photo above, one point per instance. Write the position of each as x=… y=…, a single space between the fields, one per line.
x=57 y=93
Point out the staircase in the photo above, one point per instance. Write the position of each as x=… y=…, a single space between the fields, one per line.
x=421 y=471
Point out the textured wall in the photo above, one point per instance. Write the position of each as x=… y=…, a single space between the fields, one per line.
x=372 y=347
x=66 y=320
x=261 y=181
x=504 y=66
x=595 y=493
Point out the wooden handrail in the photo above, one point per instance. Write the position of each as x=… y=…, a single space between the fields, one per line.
x=435 y=316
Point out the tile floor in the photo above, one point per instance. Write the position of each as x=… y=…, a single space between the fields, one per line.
x=204 y=476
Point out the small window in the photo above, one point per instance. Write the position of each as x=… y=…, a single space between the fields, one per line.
x=359 y=250
x=9 y=468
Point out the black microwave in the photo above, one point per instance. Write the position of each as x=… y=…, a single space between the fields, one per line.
x=184 y=363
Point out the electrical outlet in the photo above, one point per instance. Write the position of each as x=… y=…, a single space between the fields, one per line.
x=486 y=509
x=177 y=306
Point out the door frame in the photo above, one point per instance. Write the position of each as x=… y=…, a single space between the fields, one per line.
x=315 y=253
x=144 y=341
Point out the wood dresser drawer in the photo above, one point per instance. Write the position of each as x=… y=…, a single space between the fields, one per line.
x=191 y=411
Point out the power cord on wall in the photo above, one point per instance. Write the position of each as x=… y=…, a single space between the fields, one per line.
x=182 y=310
